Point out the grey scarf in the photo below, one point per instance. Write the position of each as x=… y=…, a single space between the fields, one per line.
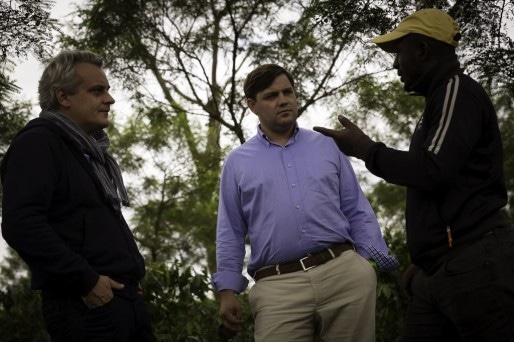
x=95 y=146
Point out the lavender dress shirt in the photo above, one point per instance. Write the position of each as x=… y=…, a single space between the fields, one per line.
x=290 y=202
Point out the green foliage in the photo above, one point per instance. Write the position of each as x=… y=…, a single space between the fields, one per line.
x=13 y=116
x=196 y=55
x=390 y=308
x=345 y=17
x=183 y=306
x=183 y=63
x=387 y=103
x=180 y=307
x=391 y=304
x=486 y=46
x=162 y=225
x=20 y=306
x=506 y=120
x=181 y=302
x=25 y=26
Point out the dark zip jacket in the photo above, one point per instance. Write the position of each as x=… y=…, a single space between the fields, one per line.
x=453 y=170
x=55 y=216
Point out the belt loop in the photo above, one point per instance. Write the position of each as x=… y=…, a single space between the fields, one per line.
x=277 y=268
x=331 y=253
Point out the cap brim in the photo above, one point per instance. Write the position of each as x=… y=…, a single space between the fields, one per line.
x=388 y=41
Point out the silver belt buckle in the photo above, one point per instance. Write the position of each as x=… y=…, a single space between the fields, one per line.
x=303 y=266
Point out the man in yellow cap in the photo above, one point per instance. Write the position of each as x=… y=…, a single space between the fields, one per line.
x=461 y=246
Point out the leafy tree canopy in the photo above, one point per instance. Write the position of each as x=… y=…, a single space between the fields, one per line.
x=487 y=27
x=25 y=26
x=183 y=62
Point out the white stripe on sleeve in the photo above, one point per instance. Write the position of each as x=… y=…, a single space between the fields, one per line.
x=446 y=115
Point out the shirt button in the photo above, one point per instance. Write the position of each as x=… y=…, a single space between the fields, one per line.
x=288 y=165
x=293 y=185
x=297 y=206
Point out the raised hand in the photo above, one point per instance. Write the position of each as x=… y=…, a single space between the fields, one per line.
x=350 y=139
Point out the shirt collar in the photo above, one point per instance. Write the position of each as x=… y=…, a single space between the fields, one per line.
x=265 y=140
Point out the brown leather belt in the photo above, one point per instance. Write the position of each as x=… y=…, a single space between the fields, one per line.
x=305 y=263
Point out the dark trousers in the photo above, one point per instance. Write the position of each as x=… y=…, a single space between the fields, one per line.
x=123 y=319
x=469 y=298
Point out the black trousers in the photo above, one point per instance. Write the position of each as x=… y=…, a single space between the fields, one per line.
x=469 y=298
x=123 y=319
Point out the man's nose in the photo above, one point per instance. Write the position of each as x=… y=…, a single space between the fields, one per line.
x=282 y=99
x=110 y=99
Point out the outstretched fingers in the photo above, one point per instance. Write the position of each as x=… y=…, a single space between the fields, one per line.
x=325 y=131
x=345 y=123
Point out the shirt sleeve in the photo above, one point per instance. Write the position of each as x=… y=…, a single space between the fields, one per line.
x=364 y=228
x=230 y=234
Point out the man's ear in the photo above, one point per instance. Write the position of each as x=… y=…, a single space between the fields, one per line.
x=62 y=98
x=251 y=104
x=424 y=51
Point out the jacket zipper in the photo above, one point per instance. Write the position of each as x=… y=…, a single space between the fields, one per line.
x=449 y=234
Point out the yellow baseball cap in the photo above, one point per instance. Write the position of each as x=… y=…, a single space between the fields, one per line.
x=430 y=22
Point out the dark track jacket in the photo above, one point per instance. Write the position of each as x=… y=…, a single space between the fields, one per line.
x=453 y=170
x=55 y=216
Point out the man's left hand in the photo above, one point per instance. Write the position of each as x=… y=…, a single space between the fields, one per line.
x=102 y=292
x=350 y=139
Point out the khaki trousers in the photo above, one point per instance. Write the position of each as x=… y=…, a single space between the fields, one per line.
x=334 y=302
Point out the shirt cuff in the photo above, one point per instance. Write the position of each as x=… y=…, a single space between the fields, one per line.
x=228 y=280
x=385 y=262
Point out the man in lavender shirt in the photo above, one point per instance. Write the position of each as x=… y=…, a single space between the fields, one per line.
x=295 y=196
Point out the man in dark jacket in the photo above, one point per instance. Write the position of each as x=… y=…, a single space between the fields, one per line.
x=456 y=235
x=61 y=209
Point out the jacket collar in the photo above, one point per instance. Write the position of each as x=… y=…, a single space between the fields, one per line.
x=438 y=74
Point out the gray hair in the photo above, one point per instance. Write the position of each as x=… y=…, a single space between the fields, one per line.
x=60 y=74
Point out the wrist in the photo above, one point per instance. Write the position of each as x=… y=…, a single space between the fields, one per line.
x=362 y=147
x=228 y=293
